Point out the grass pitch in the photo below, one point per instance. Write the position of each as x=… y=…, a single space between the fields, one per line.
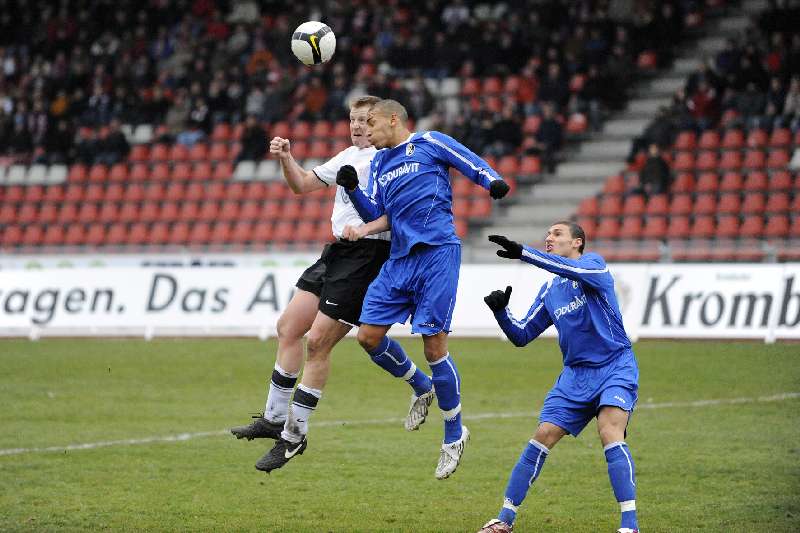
x=716 y=440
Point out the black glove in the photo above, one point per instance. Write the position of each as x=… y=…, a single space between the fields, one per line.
x=513 y=250
x=347 y=177
x=498 y=300
x=498 y=189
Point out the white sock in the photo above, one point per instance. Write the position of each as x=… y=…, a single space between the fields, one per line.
x=304 y=402
x=280 y=391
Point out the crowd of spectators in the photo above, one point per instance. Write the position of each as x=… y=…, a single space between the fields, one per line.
x=71 y=71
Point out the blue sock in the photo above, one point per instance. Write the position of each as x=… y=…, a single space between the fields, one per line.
x=447 y=383
x=622 y=474
x=390 y=356
x=523 y=475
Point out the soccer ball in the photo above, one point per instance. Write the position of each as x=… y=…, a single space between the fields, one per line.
x=313 y=43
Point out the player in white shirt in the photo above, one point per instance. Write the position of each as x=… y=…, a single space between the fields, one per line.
x=327 y=302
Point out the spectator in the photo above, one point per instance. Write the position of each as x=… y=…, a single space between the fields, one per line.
x=660 y=132
x=254 y=141
x=655 y=176
x=59 y=143
x=549 y=137
x=506 y=133
x=114 y=147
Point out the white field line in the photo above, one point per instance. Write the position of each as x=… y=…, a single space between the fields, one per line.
x=480 y=416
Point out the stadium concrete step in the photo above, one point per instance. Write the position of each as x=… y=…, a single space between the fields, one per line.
x=626 y=126
x=585 y=171
x=649 y=106
x=602 y=151
x=662 y=86
x=539 y=211
x=686 y=65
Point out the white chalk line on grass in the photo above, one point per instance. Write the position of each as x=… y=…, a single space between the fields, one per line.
x=480 y=416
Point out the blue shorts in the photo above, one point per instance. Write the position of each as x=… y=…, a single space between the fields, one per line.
x=422 y=285
x=581 y=391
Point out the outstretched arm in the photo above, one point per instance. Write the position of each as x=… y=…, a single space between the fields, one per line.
x=520 y=332
x=468 y=163
x=369 y=208
x=353 y=233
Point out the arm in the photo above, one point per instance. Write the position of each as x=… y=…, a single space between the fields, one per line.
x=300 y=181
x=353 y=233
x=468 y=163
x=368 y=204
x=520 y=332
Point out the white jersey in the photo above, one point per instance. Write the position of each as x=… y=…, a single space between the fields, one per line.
x=344 y=214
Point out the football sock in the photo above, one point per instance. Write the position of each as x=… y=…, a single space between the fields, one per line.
x=280 y=390
x=303 y=405
x=525 y=472
x=623 y=480
x=390 y=356
x=447 y=383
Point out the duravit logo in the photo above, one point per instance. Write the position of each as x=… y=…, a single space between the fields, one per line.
x=576 y=303
x=386 y=177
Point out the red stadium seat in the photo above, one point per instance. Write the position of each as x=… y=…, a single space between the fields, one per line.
x=209 y=211
x=633 y=205
x=733 y=139
x=655 y=227
x=508 y=166
x=154 y=191
x=88 y=212
x=780 y=180
x=159 y=233
x=588 y=225
x=221 y=132
x=149 y=212
x=138 y=234
x=27 y=213
x=48 y=212
x=301 y=130
x=77 y=172
x=128 y=212
x=117 y=234
x=678 y=227
x=777 y=203
x=608 y=228
x=263 y=232
x=754 y=159
x=703 y=227
x=647 y=60
x=139 y=172
x=322 y=130
x=707 y=160
x=686 y=141
x=218 y=152
x=709 y=140
x=222 y=171
x=752 y=226
x=684 y=161
x=614 y=184
x=756 y=181
x=319 y=149
x=180 y=172
x=33 y=235
x=305 y=231
x=731 y=182
x=200 y=233
x=480 y=207
x=577 y=123
x=179 y=233
x=283 y=231
x=175 y=191
x=707 y=182
x=794 y=229
x=756 y=138
x=780 y=137
x=461 y=207
x=229 y=210
x=195 y=191
x=730 y=160
x=657 y=204
x=705 y=204
x=178 y=153
x=727 y=227
x=75 y=235
x=729 y=203
x=531 y=124
x=610 y=205
x=529 y=165
x=341 y=130
x=53 y=235
x=461 y=187
x=95 y=234
x=139 y=153
x=681 y=205
x=159 y=152
x=242 y=232
x=470 y=87
x=202 y=170
x=188 y=211
x=492 y=85
x=220 y=233
x=118 y=172
x=198 y=152
x=588 y=207
x=170 y=211
x=684 y=183
x=160 y=172
x=281 y=129
x=269 y=211
x=778 y=159
x=53 y=193
x=777 y=226
x=631 y=227
x=753 y=203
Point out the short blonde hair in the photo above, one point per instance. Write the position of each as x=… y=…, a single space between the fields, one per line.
x=388 y=107
x=366 y=100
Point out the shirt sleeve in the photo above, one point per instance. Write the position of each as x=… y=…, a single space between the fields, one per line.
x=326 y=172
x=462 y=159
x=368 y=203
x=522 y=332
x=590 y=268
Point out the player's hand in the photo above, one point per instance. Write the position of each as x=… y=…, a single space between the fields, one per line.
x=353 y=233
x=498 y=189
x=347 y=177
x=512 y=249
x=279 y=146
x=498 y=300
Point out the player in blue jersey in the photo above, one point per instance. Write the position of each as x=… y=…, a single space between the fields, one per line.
x=410 y=192
x=600 y=376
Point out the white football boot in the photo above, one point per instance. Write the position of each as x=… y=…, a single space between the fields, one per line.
x=450 y=455
x=418 y=410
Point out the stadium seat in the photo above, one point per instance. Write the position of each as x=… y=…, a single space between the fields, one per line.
x=633 y=205
x=77 y=172
x=319 y=149
x=754 y=159
x=179 y=233
x=198 y=152
x=222 y=171
x=684 y=183
x=117 y=234
x=8 y=214
x=683 y=161
x=531 y=124
x=220 y=233
x=221 y=132
x=752 y=226
x=31 y=193
x=614 y=184
x=730 y=160
x=657 y=205
x=118 y=172
x=53 y=235
x=263 y=232
x=178 y=153
x=283 y=232
x=733 y=139
x=74 y=193
x=159 y=152
x=686 y=140
x=235 y=191
x=755 y=181
x=154 y=191
x=508 y=165
x=577 y=123
x=705 y=204
x=610 y=205
x=707 y=182
x=631 y=227
x=175 y=192
x=727 y=227
x=470 y=87
x=242 y=232
x=108 y=213
x=75 y=235
x=777 y=203
x=608 y=228
x=128 y=212
x=709 y=140
x=753 y=204
x=777 y=226
x=678 y=227
x=707 y=160
x=305 y=231
x=88 y=212
x=218 y=152
x=195 y=191
x=180 y=172
x=160 y=172
x=209 y=211
x=95 y=234
x=462 y=187
x=202 y=170
x=139 y=153
x=655 y=227
x=138 y=234
x=139 y=172
x=322 y=130
x=269 y=211
x=731 y=182
x=341 y=130
x=780 y=137
x=149 y=212
x=215 y=191
x=681 y=205
x=778 y=159
x=300 y=130
x=32 y=235
x=588 y=207
x=48 y=213
x=200 y=233
x=703 y=227
x=729 y=203
x=54 y=193
x=647 y=60
x=27 y=213
x=188 y=211
x=756 y=138
x=228 y=210
x=794 y=228
x=530 y=165
x=589 y=226
x=480 y=207
x=780 y=180
x=311 y=210
x=159 y=233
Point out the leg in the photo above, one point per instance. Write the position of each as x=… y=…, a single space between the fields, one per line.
x=389 y=355
x=295 y=321
x=611 y=424
x=527 y=469
x=324 y=334
x=446 y=382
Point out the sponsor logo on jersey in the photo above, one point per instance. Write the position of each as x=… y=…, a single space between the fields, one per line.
x=409 y=149
x=576 y=303
x=386 y=177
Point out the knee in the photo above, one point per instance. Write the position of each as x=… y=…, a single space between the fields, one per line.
x=368 y=339
x=286 y=329
x=317 y=346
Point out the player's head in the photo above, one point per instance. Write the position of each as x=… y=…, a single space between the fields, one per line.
x=359 y=107
x=387 y=124
x=565 y=238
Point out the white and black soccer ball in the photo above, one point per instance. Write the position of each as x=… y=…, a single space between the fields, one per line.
x=313 y=43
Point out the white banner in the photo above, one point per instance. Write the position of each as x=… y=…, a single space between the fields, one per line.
x=673 y=301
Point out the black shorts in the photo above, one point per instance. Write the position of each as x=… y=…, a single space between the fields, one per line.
x=342 y=274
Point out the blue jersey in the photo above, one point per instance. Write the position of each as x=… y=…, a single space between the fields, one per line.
x=580 y=302
x=410 y=183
